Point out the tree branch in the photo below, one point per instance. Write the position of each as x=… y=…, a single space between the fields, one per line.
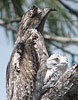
x=66 y=88
x=7 y=21
x=7 y=24
x=61 y=39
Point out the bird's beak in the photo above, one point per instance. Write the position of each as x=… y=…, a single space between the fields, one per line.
x=46 y=11
x=44 y=14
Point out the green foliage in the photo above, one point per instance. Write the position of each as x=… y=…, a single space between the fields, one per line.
x=18 y=7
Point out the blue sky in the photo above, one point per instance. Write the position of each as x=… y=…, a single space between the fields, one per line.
x=5 y=52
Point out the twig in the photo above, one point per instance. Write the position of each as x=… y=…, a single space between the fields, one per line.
x=7 y=21
x=61 y=39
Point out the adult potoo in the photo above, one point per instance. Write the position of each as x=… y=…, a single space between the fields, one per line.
x=28 y=55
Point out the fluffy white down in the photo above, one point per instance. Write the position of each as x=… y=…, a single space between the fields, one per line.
x=56 y=66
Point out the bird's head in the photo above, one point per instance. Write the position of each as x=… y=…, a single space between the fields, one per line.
x=35 y=18
x=58 y=61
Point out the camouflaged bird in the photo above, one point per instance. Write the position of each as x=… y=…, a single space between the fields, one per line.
x=28 y=55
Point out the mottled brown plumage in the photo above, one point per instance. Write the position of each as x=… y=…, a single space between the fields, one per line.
x=28 y=55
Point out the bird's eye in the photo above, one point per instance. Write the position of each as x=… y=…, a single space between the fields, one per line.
x=34 y=11
x=57 y=59
x=34 y=7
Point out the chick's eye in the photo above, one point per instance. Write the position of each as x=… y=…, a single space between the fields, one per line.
x=57 y=59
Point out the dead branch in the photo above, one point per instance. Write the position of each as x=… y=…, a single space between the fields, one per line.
x=66 y=88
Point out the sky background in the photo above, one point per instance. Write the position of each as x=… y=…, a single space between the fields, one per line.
x=5 y=52
x=6 y=48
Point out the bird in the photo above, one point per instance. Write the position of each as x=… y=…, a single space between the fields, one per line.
x=56 y=67
x=28 y=55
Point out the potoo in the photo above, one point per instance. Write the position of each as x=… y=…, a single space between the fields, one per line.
x=28 y=55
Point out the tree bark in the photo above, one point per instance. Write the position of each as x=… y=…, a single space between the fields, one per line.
x=66 y=88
